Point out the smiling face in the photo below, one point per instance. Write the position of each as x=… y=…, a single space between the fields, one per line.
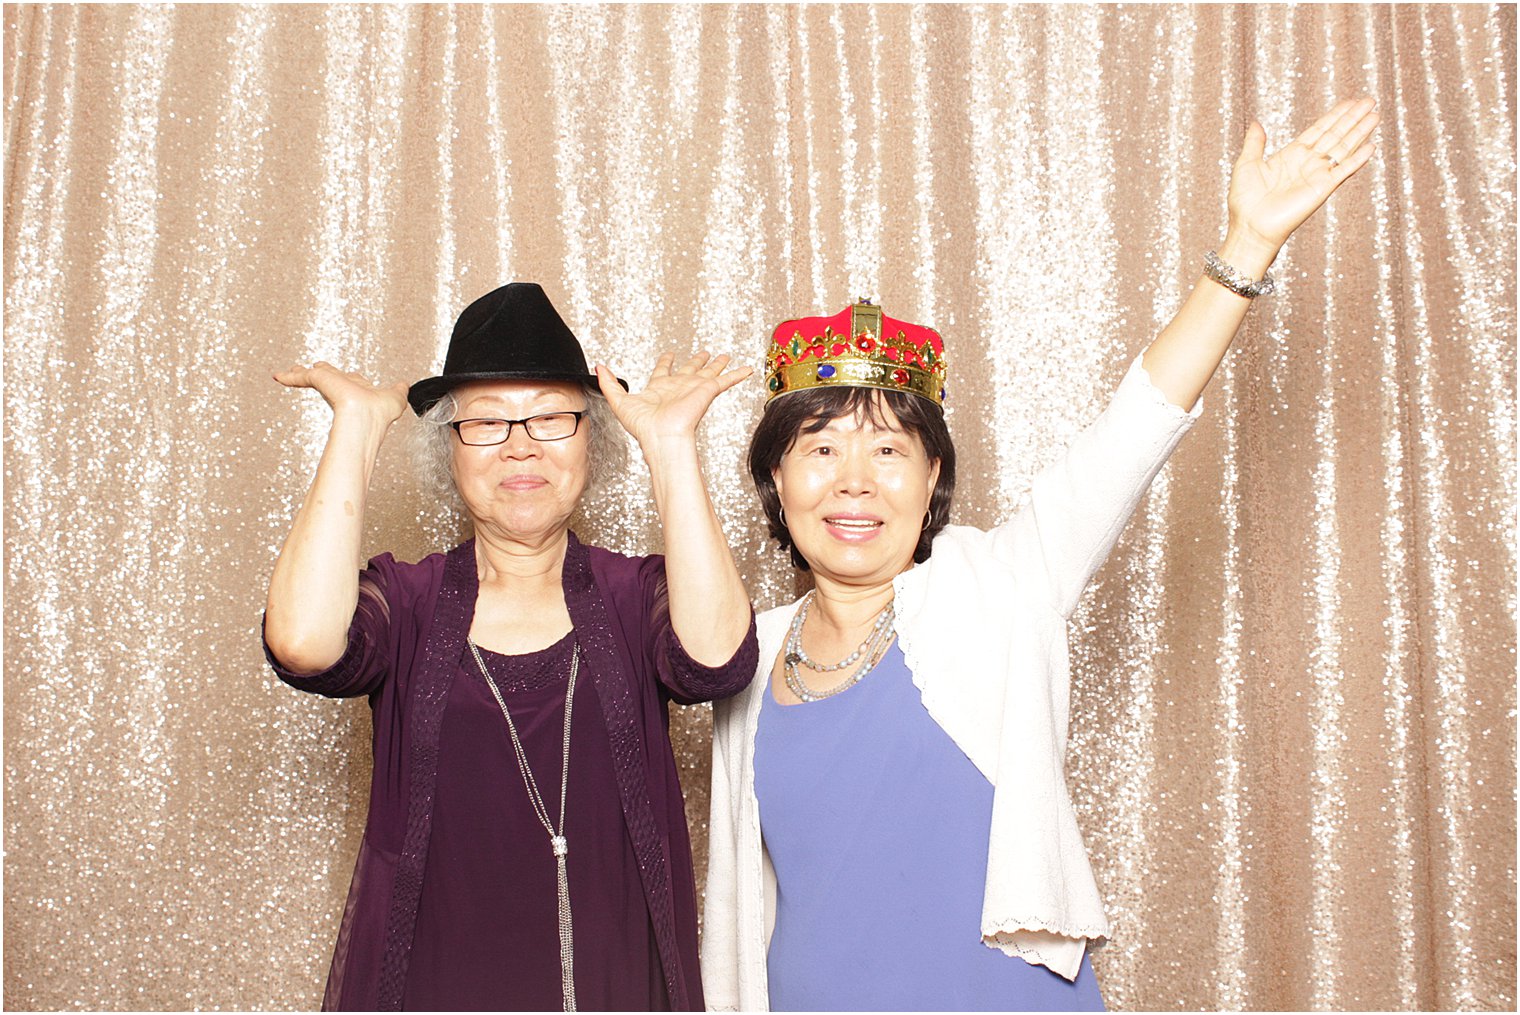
x=525 y=490
x=855 y=494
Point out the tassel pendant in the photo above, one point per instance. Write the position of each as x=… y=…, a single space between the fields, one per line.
x=566 y=933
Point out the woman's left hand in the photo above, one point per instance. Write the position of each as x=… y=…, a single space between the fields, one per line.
x=675 y=399
x=1270 y=196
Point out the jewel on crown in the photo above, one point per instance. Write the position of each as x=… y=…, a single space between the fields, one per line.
x=859 y=346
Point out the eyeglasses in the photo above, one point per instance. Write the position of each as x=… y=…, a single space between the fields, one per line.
x=551 y=426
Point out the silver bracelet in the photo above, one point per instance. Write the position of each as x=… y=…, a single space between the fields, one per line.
x=1233 y=280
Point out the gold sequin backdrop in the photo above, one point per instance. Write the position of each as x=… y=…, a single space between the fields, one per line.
x=1293 y=746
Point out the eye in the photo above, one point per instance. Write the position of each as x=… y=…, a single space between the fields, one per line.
x=477 y=430
x=810 y=447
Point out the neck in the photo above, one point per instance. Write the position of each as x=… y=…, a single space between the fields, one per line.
x=845 y=609
x=521 y=562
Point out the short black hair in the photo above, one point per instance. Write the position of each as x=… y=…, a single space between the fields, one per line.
x=810 y=410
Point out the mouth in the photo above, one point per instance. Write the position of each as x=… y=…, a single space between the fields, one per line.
x=852 y=527
x=522 y=483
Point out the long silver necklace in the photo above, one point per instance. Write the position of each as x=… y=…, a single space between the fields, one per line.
x=557 y=841
x=867 y=654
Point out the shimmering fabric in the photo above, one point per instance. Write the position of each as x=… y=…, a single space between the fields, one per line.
x=1293 y=745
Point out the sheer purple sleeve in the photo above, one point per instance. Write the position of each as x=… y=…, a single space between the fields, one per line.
x=686 y=680
x=364 y=664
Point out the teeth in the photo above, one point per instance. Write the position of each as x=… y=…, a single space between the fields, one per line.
x=853 y=523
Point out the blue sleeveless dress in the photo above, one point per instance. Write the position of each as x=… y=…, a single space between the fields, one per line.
x=877 y=826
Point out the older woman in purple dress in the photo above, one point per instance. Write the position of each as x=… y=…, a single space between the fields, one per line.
x=526 y=845
x=891 y=828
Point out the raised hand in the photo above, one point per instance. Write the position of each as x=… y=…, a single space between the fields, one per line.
x=346 y=391
x=709 y=609
x=315 y=584
x=675 y=399
x=1270 y=196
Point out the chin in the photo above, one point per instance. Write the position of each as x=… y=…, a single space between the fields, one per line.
x=857 y=570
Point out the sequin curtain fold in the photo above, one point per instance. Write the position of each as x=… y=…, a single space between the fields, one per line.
x=1293 y=743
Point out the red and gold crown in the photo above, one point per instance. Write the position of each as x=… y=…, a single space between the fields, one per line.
x=857 y=347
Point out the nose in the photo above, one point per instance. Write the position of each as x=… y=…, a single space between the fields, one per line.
x=518 y=444
x=854 y=476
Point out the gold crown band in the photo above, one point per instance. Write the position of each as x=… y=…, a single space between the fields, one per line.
x=856 y=373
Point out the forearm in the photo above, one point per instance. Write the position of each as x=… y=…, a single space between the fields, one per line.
x=709 y=608
x=315 y=585
x=1185 y=355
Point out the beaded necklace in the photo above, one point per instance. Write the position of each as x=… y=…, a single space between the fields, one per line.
x=867 y=654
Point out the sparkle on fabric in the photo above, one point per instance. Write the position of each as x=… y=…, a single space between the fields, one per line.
x=1293 y=734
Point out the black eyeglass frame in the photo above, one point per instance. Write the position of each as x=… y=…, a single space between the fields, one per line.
x=579 y=414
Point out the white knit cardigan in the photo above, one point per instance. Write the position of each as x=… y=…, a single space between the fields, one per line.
x=982 y=624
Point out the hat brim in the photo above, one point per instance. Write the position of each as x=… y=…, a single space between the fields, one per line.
x=424 y=393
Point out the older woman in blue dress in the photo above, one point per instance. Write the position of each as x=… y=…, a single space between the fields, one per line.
x=920 y=689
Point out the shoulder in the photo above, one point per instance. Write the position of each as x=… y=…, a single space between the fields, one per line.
x=964 y=560
x=618 y=570
x=407 y=572
x=772 y=623
x=402 y=582
x=632 y=584
x=613 y=562
x=960 y=536
x=956 y=547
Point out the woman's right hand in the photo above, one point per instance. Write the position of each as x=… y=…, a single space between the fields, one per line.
x=347 y=392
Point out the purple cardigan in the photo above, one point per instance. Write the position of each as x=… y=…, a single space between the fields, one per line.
x=620 y=611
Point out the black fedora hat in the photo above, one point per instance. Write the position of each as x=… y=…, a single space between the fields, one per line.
x=511 y=333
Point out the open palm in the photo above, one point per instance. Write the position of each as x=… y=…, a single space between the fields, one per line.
x=1270 y=196
x=347 y=391
x=675 y=399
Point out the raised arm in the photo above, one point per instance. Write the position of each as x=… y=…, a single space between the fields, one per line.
x=709 y=609
x=1081 y=502
x=1269 y=198
x=315 y=585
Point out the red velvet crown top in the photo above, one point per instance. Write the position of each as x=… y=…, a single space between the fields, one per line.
x=859 y=347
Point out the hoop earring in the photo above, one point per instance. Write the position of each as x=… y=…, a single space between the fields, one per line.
x=781 y=513
x=928 y=519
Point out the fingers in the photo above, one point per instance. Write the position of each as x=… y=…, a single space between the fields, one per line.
x=298 y=376
x=1255 y=145
x=1347 y=146
x=733 y=377
x=1354 y=137
x=697 y=363
x=611 y=389
x=1319 y=127
x=1349 y=129
x=700 y=362
x=1351 y=163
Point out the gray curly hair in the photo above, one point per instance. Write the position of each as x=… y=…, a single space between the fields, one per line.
x=432 y=447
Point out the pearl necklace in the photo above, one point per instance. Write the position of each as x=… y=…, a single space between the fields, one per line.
x=868 y=652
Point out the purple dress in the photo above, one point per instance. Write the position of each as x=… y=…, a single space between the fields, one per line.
x=877 y=826
x=455 y=878
x=489 y=854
